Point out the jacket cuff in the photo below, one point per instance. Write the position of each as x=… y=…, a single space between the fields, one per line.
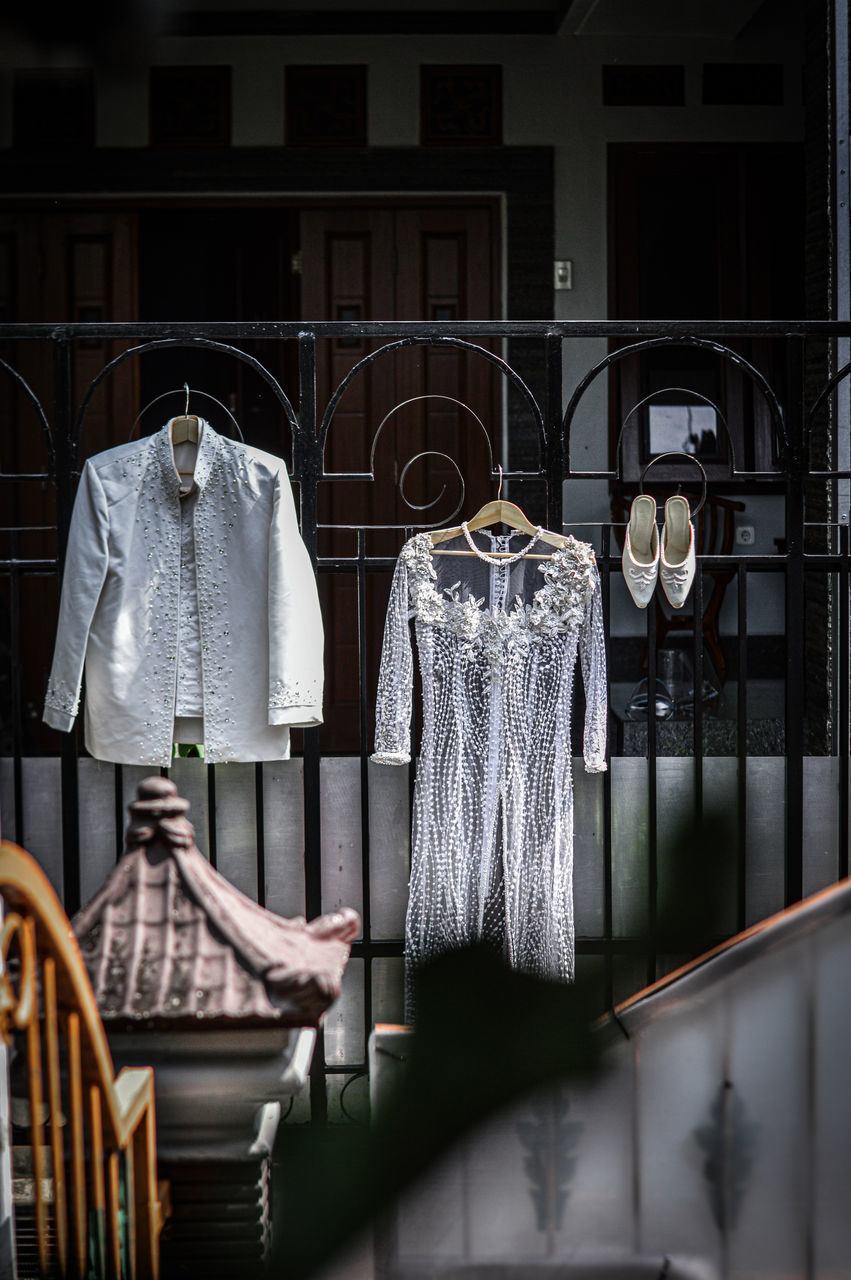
x=56 y=718
x=297 y=717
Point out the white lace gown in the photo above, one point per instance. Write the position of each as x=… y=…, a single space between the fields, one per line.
x=498 y=641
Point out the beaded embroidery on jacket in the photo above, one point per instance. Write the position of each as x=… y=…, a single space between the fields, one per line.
x=492 y=840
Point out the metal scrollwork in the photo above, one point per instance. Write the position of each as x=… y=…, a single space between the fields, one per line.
x=425 y=506
x=430 y=453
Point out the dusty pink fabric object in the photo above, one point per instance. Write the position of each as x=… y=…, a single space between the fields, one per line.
x=168 y=937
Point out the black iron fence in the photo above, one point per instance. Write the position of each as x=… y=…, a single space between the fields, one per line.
x=757 y=729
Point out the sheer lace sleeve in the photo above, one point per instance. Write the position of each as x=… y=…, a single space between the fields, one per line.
x=395 y=677
x=592 y=653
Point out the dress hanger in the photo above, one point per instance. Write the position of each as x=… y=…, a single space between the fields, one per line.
x=498 y=511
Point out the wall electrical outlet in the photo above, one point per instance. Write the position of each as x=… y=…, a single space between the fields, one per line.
x=745 y=535
x=563 y=273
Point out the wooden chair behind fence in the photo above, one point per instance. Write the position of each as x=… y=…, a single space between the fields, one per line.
x=91 y=1195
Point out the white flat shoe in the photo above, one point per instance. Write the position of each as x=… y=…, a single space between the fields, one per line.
x=676 y=565
x=640 y=557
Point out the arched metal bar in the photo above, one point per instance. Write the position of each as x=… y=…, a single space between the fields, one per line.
x=458 y=343
x=822 y=396
x=665 y=391
x=40 y=414
x=159 y=344
x=704 y=344
x=413 y=400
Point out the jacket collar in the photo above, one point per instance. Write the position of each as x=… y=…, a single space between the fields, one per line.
x=208 y=448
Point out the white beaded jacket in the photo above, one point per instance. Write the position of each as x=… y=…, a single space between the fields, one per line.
x=256 y=634
x=498 y=641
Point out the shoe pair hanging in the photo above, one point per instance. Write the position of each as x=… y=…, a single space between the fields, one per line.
x=645 y=559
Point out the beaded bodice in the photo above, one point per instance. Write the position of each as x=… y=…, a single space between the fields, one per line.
x=498 y=639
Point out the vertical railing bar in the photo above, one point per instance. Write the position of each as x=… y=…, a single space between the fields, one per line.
x=366 y=879
x=652 y=826
x=635 y=1153
x=118 y=796
x=131 y=1235
x=844 y=866
x=36 y=1101
x=54 y=1086
x=212 y=825
x=554 y=462
x=114 y=1188
x=261 y=833
x=742 y=747
x=62 y=393
x=793 y=877
x=306 y=469
x=795 y=605
x=16 y=691
x=77 y=1142
x=142 y=1156
x=608 y=911
x=697 y=605
x=313 y=862
x=97 y=1228
x=812 y=1130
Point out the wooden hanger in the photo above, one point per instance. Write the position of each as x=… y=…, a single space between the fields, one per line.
x=497 y=512
x=185 y=428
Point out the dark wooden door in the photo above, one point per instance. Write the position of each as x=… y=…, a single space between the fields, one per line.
x=56 y=267
x=704 y=232
x=395 y=263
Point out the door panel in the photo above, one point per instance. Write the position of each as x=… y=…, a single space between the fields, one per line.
x=395 y=263
x=60 y=267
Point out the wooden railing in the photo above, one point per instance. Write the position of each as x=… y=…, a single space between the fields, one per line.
x=92 y=1143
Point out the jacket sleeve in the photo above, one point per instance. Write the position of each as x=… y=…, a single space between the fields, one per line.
x=592 y=653
x=296 y=636
x=395 y=678
x=86 y=561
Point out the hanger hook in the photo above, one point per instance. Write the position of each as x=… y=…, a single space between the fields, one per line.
x=186 y=406
x=499 y=490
